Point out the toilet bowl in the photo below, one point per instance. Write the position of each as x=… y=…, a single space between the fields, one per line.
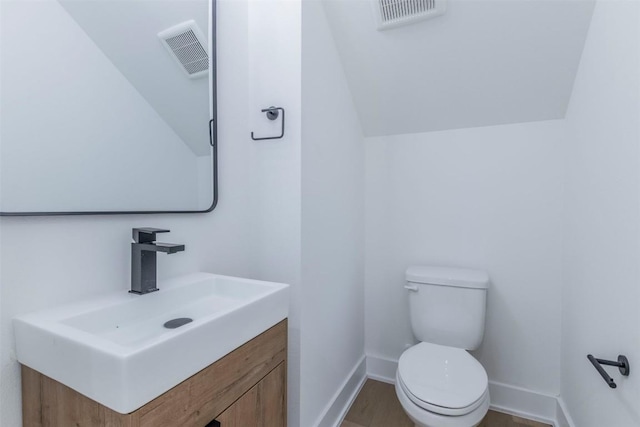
x=440 y=386
x=438 y=383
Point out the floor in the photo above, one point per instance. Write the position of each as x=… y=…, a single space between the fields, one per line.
x=378 y=406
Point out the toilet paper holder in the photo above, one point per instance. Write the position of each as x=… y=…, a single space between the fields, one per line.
x=622 y=364
x=272 y=113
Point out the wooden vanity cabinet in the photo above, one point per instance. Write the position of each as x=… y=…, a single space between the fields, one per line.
x=246 y=388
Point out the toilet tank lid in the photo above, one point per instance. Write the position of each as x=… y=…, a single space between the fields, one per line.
x=448 y=276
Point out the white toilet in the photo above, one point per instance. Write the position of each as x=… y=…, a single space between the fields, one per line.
x=438 y=383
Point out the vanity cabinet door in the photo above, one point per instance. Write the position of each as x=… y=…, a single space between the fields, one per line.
x=264 y=405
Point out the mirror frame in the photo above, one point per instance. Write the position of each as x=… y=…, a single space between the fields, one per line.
x=213 y=142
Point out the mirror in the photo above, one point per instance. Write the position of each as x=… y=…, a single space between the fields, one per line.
x=106 y=106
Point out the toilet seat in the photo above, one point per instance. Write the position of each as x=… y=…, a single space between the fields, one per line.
x=440 y=410
x=424 y=418
x=443 y=380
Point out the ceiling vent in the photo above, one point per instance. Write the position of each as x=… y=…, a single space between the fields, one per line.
x=186 y=43
x=394 y=13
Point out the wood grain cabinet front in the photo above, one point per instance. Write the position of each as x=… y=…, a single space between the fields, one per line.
x=246 y=388
x=262 y=406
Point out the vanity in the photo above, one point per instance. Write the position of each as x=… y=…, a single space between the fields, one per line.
x=245 y=388
x=113 y=361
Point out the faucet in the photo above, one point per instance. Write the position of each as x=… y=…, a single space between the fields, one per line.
x=143 y=258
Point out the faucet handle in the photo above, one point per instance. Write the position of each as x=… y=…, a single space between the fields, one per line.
x=146 y=234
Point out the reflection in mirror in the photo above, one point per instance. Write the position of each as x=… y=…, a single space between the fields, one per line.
x=98 y=111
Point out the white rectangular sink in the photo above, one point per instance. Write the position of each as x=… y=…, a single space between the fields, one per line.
x=115 y=349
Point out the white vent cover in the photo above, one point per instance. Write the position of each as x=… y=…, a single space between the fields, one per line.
x=186 y=43
x=394 y=13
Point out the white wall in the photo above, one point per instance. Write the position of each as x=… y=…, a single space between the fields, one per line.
x=332 y=223
x=486 y=198
x=601 y=275
x=274 y=75
x=49 y=261
x=79 y=116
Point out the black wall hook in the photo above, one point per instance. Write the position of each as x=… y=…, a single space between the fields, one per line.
x=622 y=364
x=272 y=114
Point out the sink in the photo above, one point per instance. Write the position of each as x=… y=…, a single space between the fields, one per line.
x=116 y=350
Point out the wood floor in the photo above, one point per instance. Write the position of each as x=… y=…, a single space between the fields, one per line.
x=378 y=406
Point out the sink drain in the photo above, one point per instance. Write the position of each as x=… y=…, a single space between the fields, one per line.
x=176 y=323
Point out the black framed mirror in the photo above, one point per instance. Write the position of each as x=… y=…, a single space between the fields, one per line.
x=108 y=107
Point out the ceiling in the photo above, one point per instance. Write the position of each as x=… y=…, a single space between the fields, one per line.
x=485 y=62
x=127 y=33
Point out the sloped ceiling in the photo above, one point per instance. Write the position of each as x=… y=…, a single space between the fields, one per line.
x=127 y=32
x=485 y=62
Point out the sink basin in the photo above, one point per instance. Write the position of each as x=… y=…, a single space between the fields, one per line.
x=116 y=350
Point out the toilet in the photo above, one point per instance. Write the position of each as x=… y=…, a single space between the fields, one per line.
x=438 y=383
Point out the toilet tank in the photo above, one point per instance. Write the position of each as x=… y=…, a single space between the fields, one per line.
x=448 y=305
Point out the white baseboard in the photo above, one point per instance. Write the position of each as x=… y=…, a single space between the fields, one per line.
x=562 y=415
x=382 y=369
x=504 y=398
x=523 y=403
x=339 y=405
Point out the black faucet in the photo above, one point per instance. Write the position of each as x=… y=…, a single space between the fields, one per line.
x=143 y=258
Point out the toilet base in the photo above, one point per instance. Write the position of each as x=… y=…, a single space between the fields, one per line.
x=423 y=418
